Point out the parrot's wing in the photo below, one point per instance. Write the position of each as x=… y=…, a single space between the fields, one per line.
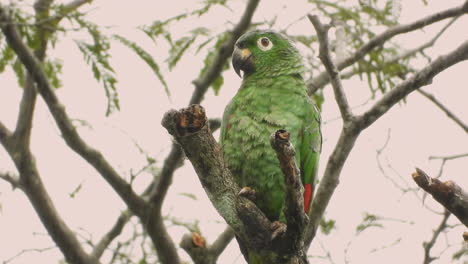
x=225 y=122
x=311 y=146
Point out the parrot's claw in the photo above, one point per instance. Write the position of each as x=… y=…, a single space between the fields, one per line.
x=278 y=229
x=248 y=193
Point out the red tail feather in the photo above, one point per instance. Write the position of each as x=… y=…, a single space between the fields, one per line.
x=308 y=192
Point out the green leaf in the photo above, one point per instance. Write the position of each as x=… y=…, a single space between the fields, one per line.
x=208 y=61
x=19 y=71
x=369 y=220
x=98 y=60
x=6 y=58
x=178 y=49
x=326 y=226
x=53 y=69
x=189 y=195
x=146 y=57
x=76 y=191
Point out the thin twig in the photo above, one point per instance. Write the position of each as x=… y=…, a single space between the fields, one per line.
x=442 y=107
x=429 y=245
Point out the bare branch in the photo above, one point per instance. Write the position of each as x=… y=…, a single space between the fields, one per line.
x=114 y=232
x=424 y=46
x=325 y=57
x=419 y=79
x=323 y=78
x=450 y=157
x=330 y=178
x=203 y=83
x=428 y=245
x=71 y=136
x=448 y=194
x=451 y=115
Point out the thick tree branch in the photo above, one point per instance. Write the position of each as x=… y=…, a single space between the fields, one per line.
x=71 y=136
x=189 y=129
x=448 y=194
x=419 y=79
x=323 y=78
x=449 y=113
x=330 y=179
x=28 y=100
x=203 y=83
x=428 y=245
x=325 y=57
x=296 y=219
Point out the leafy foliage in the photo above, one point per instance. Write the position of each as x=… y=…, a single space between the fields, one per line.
x=146 y=57
x=326 y=226
x=96 y=54
x=378 y=68
x=219 y=81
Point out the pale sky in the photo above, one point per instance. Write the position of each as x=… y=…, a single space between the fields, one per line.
x=418 y=130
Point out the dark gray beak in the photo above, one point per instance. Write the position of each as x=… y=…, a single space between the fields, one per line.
x=242 y=61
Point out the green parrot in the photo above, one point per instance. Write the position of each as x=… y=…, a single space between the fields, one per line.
x=273 y=96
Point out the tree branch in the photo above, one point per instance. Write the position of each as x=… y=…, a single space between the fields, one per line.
x=203 y=83
x=448 y=194
x=325 y=57
x=451 y=115
x=188 y=126
x=428 y=245
x=323 y=78
x=202 y=254
x=222 y=242
x=71 y=136
x=114 y=232
x=296 y=219
x=419 y=79
x=396 y=59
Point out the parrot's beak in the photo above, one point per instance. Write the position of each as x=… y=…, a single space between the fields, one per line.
x=242 y=60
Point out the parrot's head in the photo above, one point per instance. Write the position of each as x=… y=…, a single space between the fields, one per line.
x=266 y=53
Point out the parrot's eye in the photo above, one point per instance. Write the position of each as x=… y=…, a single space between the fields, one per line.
x=264 y=43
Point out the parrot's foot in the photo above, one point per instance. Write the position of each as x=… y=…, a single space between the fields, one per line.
x=248 y=193
x=278 y=229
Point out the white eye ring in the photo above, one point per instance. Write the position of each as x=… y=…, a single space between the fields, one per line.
x=264 y=43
